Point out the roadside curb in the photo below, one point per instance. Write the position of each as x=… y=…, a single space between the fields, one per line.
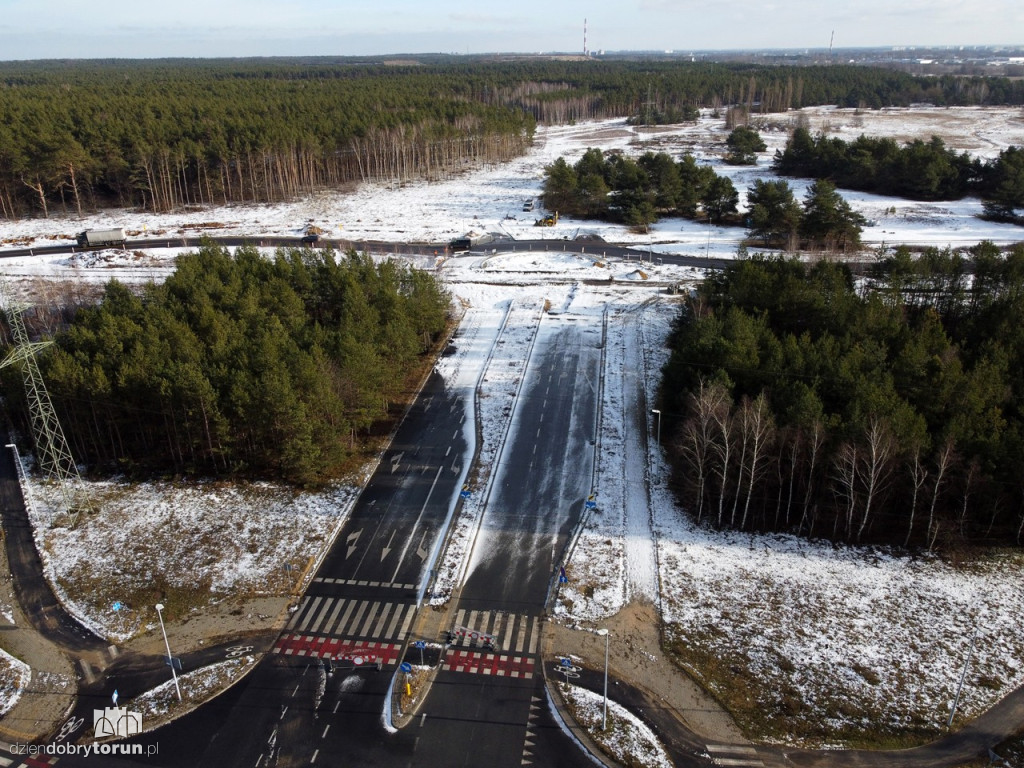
x=559 y=708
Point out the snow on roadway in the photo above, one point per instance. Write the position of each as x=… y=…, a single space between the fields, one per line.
x=888 y=632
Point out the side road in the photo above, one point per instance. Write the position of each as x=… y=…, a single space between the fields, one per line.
x=693 y=726
x=43 y=634
x=26 y=567
x=73 y=669
x=50 y=695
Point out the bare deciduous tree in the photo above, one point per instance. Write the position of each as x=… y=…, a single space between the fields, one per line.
x=758 y=426
x=697 y=436
x=918 y=476
x=942 y=464
x=845 y=463
x=875 y=466
x=815 y=441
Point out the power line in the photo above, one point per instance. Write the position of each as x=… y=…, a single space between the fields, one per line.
x=53 y=453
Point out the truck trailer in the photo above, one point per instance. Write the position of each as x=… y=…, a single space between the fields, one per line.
x=102 y=238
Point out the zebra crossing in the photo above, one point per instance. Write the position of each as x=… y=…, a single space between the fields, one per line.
x=364 y=583
x=734 y=755
x=507 y=643
x=357 y=652
x=341 y=617
x=503 y=632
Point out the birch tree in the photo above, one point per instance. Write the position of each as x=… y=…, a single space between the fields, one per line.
x=758 y=427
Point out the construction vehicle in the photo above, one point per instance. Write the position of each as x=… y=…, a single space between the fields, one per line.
x=547 y=221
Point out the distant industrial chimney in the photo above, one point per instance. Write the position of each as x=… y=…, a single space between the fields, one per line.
x=585 y=53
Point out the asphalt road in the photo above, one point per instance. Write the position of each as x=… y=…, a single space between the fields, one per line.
x=475 y=716
x=485 y=708
x=606 y=250
x=32 y=589
x=293 y=711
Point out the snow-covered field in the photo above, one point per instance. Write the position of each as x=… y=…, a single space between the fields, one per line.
x=883 y=633
x=186 y=545
x=491 y=200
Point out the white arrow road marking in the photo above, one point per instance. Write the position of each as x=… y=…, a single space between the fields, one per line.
x=421 y=550
x=416 y=525
x=387 y=549
x=351 y=541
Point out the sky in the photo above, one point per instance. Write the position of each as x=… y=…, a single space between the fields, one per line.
x=34 y=29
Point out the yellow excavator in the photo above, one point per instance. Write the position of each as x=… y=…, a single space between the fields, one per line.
x=547 y=221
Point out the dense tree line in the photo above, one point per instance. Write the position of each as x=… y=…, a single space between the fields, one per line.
x=637 y=192
x=168 y=133
x=561 y=91
x=240 y=364
x=618 y=188
x=893 y=415
x=825 y=221
x=919 y=170
x=165 y=137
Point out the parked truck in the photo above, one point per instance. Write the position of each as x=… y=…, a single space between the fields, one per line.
x=102 y=238
x=469 y=241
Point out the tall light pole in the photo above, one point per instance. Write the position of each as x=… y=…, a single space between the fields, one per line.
x=167 y=645
x=604 y=720
x=657 y=413
x=963 y=676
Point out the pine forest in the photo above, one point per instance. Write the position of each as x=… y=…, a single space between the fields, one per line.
x=886 y=410
x=239 y=365
x=164 y=134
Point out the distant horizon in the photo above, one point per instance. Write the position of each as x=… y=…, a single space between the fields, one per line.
x=894 y=48
x=128 y=29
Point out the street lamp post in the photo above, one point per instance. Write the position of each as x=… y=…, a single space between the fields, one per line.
x=963 y=676
x=604 y=720
x=657 y=413
x=167 y=645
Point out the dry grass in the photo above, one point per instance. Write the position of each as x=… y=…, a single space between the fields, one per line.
x=776 y=709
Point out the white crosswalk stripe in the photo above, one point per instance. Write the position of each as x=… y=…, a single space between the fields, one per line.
x=340 y=617
x=734 y=756
x=298 y=613
x=309 y=613
x=364 y=583
x=510 y=632
x=320 y=618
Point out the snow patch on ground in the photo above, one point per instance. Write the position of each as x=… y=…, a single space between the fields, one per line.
x=196 y=687
x=15 y=677
x=215 y=539
x=888 y=633
x=628 y=740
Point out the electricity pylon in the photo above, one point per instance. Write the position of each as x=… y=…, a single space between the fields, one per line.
x=52 y=452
